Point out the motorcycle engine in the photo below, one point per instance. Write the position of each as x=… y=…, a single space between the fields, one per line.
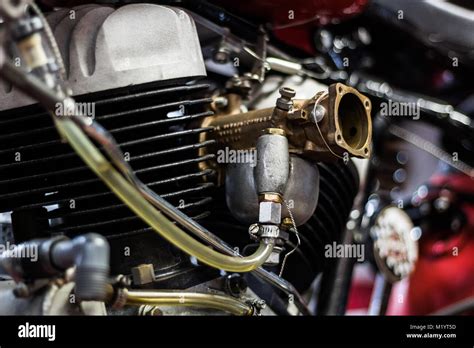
x=143 y=72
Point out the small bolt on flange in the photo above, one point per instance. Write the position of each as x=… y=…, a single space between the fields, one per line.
x=285 y=101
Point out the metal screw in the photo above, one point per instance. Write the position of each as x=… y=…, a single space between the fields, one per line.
x=254 y=229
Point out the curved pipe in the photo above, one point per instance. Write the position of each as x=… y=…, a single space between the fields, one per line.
x=90 y=254
x=50 y=257
x=166 y=228
x=36 y=89
x=188 y=299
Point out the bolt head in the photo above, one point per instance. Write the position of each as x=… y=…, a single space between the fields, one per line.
x=254 y=229
x=287 y=92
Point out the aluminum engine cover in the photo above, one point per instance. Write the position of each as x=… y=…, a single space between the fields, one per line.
x=106 y=48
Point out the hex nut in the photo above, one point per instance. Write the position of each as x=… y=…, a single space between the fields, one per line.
x=269 y=213
x=273 y=259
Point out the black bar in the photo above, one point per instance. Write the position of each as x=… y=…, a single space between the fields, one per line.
x=288 y=331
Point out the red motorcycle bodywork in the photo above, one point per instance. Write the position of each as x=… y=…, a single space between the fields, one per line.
x=444 y=273
x=293 y=22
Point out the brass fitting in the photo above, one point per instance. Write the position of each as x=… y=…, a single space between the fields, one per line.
x=287 y=222
x=274 y=131
x=270 y=197
x=333 y=124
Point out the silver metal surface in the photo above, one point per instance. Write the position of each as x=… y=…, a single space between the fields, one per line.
x=53 y=299
x=301 y=192
x=269 y=213
x=273 y=165
x=269 y=231
x=318 y=113
x=106 y=48
x=274 y=258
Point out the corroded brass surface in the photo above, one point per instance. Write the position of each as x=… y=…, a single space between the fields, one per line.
x=345 y=129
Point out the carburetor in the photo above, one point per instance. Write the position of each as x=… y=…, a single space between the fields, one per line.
x=288 y=141
x=334 y=123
